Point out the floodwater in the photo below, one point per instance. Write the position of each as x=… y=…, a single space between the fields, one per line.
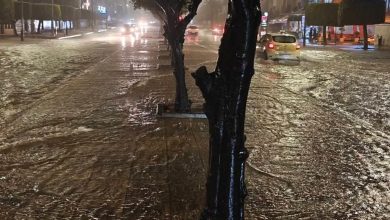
x=79 y=138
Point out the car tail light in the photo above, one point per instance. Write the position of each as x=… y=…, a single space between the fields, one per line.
x=271 y=46
x=298 y=47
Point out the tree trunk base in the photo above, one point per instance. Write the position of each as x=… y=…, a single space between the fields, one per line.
x=168 y=111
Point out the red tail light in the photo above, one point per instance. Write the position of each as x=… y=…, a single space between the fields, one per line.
x=298 y=47
x=271 y=46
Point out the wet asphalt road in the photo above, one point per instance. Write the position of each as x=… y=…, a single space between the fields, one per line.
x=318 y=132
x=79 y=139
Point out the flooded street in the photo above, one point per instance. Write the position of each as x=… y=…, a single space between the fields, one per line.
x=324 y=148
x=79 y=138
x=84 y=147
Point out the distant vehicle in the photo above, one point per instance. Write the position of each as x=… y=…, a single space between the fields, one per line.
x=192 y=30
x=154 y=23
x=128 y=29
x=218 y=30
x=279 y=46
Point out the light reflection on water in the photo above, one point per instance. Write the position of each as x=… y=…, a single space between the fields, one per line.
x=129 y=40
x=123 y=42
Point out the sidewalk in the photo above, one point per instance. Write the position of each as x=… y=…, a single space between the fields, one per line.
x=60 y=35
x=167 y=181
x=350 y=46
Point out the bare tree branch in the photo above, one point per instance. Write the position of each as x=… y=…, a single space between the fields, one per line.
x=193 y=8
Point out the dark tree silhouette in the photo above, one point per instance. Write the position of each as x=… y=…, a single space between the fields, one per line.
x=225 y=91
x=170 y=12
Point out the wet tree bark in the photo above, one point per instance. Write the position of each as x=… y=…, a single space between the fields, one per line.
x=175 y=15
x=174 y=30
x=182 y=103
x=14 y=28
x=225 y=91
x=26 y=27
x=176 y=39
x=32 y=24
x=365 y=32
x=304 y=35
x=40 y=26
x=324 y=35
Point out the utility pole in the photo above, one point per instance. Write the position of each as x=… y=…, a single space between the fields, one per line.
x=22 y=22
x=32 y=28
x=81 y=7
x=93 y=15
x=52 y=17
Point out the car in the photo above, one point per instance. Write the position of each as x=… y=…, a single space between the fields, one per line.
x=128 y=29
x=217 y=30
x=192 y=30
x=277 y=46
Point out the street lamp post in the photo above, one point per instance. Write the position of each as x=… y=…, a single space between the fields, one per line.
x=93 y=16
x=22 y=22
x=52 y=18
x=81 y=7
x=32 y=28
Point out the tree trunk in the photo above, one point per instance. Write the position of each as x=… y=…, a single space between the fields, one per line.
x=32 y=24
x=365 y=32
x=304 y=34
x=182 y=103
x=225 y=92
x=324 y=35
x=1 y=28
x=66 y=28
x=39 y=26
x=14 y=28
x=31 y=19
x=26 y=28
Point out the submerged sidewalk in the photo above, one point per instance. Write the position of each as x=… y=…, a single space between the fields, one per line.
x=48 y=35
x=306 y=160
x=94 y=149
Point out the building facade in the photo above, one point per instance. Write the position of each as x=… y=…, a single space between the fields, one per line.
x=277 y=8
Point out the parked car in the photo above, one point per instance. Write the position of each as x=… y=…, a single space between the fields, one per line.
x=279 y=46
x=128 y=29
x=192 y=30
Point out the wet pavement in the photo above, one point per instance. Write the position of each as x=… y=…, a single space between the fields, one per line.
x=79 y=138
